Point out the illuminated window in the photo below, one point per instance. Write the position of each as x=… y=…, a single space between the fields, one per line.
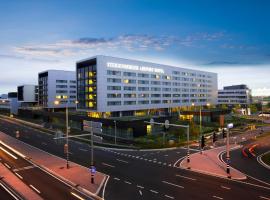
x=86 y=89
x=90 y=104
x=90 y=81
x=90 y=89
x=149 y=129
x=91 y=74
x=90 y=96
x=125 y=81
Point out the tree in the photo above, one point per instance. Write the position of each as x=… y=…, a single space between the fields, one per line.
x=253 y=108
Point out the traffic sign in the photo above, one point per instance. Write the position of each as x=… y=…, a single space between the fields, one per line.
x=230 y=125
x=167 y=124
x=93 y=169
x=151 y=121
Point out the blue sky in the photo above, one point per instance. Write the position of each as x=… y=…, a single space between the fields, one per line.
x=231 y=38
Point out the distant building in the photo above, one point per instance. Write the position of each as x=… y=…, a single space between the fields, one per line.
x=13 y=102
x=57 y=85
x=27 y=95
x=116 y=87
x=235 y=95
x=3 y=96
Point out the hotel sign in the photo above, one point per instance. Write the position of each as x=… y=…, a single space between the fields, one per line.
x=135 y=67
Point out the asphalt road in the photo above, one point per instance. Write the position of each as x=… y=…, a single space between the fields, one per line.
x=47 y=186
x=4 y=194
x=143 y=175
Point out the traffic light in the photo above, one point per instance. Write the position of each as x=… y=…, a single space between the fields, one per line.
x=214 y=136
x=202 y=142
x=223 y=133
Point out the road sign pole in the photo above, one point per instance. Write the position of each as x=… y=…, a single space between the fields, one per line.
x=67 y=141
x=92 y=145
x=188 y=158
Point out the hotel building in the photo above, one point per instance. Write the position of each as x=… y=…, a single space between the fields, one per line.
x=235 y=95
x=57 y=85
x=114 y=87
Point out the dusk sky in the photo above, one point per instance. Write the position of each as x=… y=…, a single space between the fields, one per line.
x=231 y=38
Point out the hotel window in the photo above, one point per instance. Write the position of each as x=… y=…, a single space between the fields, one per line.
x=72 y=82
x=155 y=89
x=143 y=95
x=72 y=91
x=176 y=95
x=127 y=81
x=166 y=89
x=129 y=88
x=155 y=82
x=129 y=102
x=61 y=81
x=61 y=91
x=176 y=101
x=143 y=88
x=155 y=95
x=143 y=102
x=166 y=83
x=155 y=76
x=72 y=86
x=114 y=103
x=143 y=75
x=176 y=89
x=167 y=95
x=155 y=102
x=130 y=95
x=113 y=95
x=113 y=80
x=143 y=82
x=129 y=74
x=112 y=72
x=166 y=77
x=61 y=86
x=113 y=87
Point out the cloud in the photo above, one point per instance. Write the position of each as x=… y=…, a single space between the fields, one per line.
x=261 y=91
x=16 y=57
x=228 y=63
x=127 y=42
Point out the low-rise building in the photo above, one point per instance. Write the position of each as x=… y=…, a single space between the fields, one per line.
x=57 y=85
x=235 y=95
x=27 y=95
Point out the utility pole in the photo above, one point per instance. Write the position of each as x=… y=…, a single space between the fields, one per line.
x=92 y=145
x=229 y=126
x=114 y=132
x=201 y=128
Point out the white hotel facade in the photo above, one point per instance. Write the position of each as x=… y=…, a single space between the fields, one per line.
x=109 y=86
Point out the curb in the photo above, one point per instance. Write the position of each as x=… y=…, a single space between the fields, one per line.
x=260 y=161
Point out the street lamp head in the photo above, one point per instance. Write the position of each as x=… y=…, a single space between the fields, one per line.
x=193 y=104
x=208 y=104
x=76 y=102
x=56 y=102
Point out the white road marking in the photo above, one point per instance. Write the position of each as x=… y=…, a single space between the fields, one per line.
x=216 y=197
x=115 y=178
x=140 y=186
x=19 y=175
x=164 y=163
x=7 y=165
x=159 y=162
x=108 y=165
x=193 y=179
x=34 y=189
x=77 y=196
x=170 y=197
x=44 y=143
x=85 y=150
x=224 y=187
x=10 y=154
x=262 y=197
x=128 y=182
x=154 y=191
x=123 y=161
x=140 y=192
x=166 y=155
x=172 y=184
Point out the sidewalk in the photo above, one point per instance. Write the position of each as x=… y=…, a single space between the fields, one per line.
x=17 y=184
x=208 y=163
x=77 y=175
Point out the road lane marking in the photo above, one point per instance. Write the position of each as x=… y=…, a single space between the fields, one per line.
x=172 y=184
x=24 y=168
x=123 y=161
x=224 y=187
x=216 y=197
x=128 y=182
x=262 y=197
x=85 y=150
x=154 y=191
x=34 y=189
x=44 y=143
x=19 y=175
x=115 y=178
x=193 y=179
x=7 y=165
x=108 y=165
x=140 y=192
x=140 y=186
x=77 y=196
x=7 y=152
x=170 y=197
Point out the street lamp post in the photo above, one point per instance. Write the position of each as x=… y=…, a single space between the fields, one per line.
x=229 y=126
x=114 y=132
